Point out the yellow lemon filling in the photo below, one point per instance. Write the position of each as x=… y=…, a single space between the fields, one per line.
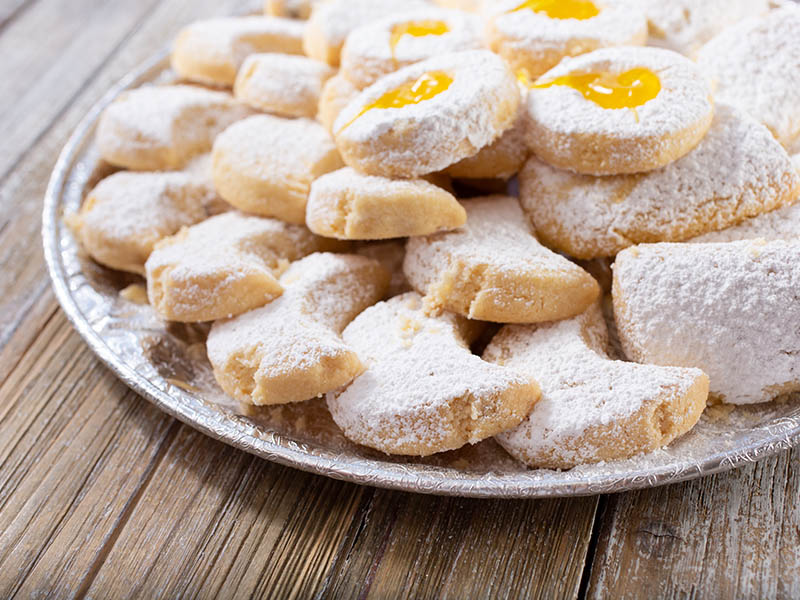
x=561 y=9
x=426 y=87
x=417 y=29
x=609 y=90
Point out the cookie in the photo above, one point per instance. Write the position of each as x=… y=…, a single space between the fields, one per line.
x=474 y=6
x=534 y=35
x=685 y=25
x=350 y=206
x=781 y=224
x=423 y=391
x=292 y=9
x=332 y=21
x=211 y=51
x=291 y=350
x=756 y=67
x=494 y=269
x=428 y=116
x=163 y=127
x=388 y=44
x=390 y=254
x=224 y=266
x=336 y=94
x=126 y=213
x=618 y=110
x=501 y=159
x=592 y=408
x=265 y=165
x=281 y=84
x=736 y=172
x=729 y=309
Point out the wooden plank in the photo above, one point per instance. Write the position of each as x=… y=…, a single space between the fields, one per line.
x=412 y=546
x=735 y=535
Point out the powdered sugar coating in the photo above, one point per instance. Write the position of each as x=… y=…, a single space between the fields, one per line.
x=285 y=85
x=290 y=350
x=756 y=67
x=127 y=213
x=368 y=54
x=480 y=104
x=332 y=21
x=570 y=131
x=685 y=25
x=781 y=224
x=163 y=127
x=730 y=309
x=535 y=42
x=211 y=51
x=224 y=266
x=423 y=391
x=737 y=171
x=501 y=159
x=592 y=408
x=494 y=269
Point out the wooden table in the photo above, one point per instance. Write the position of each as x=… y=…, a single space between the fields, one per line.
x=102 y=495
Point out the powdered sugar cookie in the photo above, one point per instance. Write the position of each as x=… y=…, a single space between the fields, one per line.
x=618 y=110
x=756 y=66
x=723 y=308
x=685 y=25
x=290 y=350
x=265 y=165
x=386 y=45
x=423 y=391
x=350 y=206
x=163 y=127
x=781 y=224
x=292 y=9
x=493 y=269
x=475 y=6
x=224 y=266
x=336 y=94
x=285 y=85
x=332 y=21
x=534 y=35
x=429 y=115
x=390 y=254
x=212 y=51
x=592 y=408
x=125 y=215
x=736 y=172
x=501 y=159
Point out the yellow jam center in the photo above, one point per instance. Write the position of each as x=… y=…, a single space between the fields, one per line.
x=561 y=9
x=426 y=87
x=416 y=29
x=624 y=90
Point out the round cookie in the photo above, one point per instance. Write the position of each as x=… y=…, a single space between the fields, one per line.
x=386 y=45
x=265 y=165
x=125 y=215
x=592 y=408
x=291 y=350
x=618 y=110
x=738 y=171
x=730 y=309
x=333 y=20
x=501 y=159
x=494 y=269
x=780 y=224
x=533 y=36
x=756 y=67
x=285 y=85
x=211 y=51
x=336 y=94
x=224 y=266
x=424 y=391
x=429 y=115
x=685 y=25
x=163 y=127
x=347 y=205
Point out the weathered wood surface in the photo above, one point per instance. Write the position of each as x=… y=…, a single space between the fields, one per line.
x=102 y=495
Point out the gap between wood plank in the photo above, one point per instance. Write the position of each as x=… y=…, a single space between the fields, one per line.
x=591 y=550
x=127 y=511
x=376 y=563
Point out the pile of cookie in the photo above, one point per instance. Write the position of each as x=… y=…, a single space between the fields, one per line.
x=302 y=186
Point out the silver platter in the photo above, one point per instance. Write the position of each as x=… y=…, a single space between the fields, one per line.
x=166 y=364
